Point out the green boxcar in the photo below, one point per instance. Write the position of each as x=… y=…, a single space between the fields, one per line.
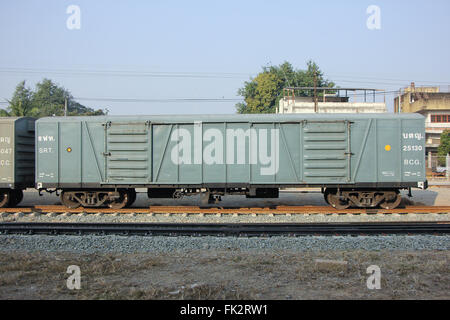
x=17 y=158
x=222 y=154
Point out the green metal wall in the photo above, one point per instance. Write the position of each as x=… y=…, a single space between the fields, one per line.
x=17 y=154
x=313 y=149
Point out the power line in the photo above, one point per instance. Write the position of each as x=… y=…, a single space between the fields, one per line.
x=390 y=79
x=150 y=74
x=177 y=100
x=187 y=100
x=190 y=100
x=382 y=84
x=118 y=71
x=170 y=100
x=207 y=75
x=370 y=82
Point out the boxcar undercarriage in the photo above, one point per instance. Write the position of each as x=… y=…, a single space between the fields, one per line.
x=339 y=198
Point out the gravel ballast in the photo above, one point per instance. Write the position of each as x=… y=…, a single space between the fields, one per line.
x=139 y=244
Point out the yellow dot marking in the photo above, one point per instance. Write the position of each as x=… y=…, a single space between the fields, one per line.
x=69 y=149
x=387 y=148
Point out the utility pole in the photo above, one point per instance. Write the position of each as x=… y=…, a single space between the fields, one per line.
x=316 y=107
x=399 y=105
x=447 y=165
x=65 y=107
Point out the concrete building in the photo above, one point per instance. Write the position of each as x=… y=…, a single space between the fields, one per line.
x=330 y=101
x=433 y=104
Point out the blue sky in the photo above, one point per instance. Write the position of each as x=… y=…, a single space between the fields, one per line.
x=123 y=47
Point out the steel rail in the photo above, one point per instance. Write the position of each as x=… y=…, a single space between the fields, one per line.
x=225 y=229
x=276 y=209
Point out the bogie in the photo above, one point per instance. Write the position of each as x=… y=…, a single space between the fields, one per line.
x=114 y=199
x=345 y=198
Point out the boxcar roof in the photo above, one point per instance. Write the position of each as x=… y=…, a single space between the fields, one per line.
x=13 y=119
x=237 y=117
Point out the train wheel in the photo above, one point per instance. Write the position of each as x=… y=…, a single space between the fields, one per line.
x=325 y=195
x=68 y=201
x=206 y=198
x=4 y=198
x=336 y=201
x=15 y=197
x=391 y=203
x=131 y=197
x=19 y=196
x=121 y=202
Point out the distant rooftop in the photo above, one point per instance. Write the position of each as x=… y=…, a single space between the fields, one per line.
x=423 y=99
x=426 y=89
x=331 y=100
x=325 y=92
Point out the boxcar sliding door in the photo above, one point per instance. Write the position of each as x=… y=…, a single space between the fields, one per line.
x=127 y=152
x=326 y=152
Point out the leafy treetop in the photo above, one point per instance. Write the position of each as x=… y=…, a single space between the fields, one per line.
x=262 y=93
x=47 y=99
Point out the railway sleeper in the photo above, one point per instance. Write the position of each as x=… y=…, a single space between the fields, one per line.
x=343 y=198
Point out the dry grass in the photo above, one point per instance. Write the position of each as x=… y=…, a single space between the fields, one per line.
x=225 y=275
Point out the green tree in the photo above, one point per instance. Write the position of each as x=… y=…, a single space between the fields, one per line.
x=20 y=105
x=444 y=147
x=262 y=93
x=48 y=99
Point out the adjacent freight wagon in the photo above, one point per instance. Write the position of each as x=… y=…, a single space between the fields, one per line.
x=357 y=160
x=16 y=159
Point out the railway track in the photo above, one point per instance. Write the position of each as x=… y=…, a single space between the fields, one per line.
x=226 y=229
x=230 y=210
